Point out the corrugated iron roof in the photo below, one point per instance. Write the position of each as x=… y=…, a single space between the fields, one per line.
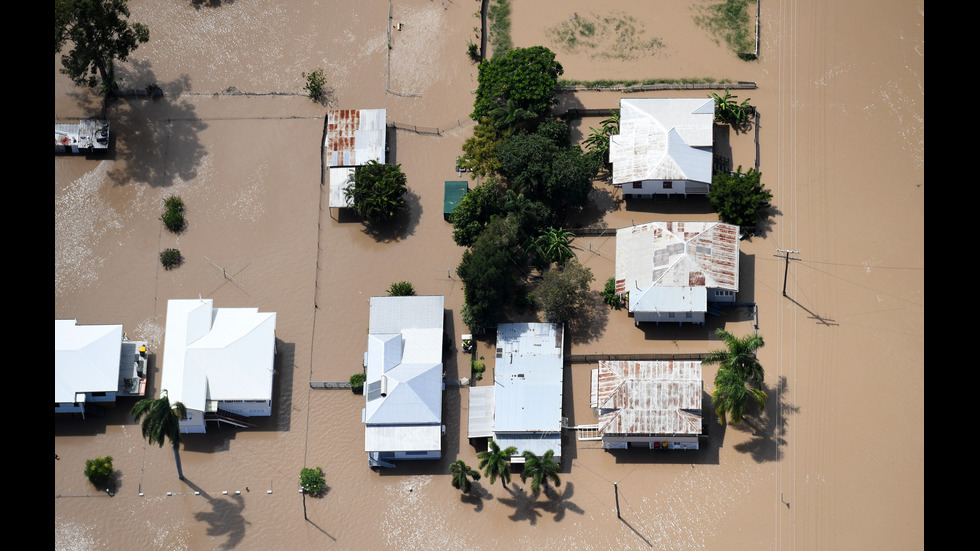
x=355 y=136
x=648 y=397
x=663 y=139
x=676 y=254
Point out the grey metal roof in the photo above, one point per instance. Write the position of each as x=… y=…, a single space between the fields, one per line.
x=663 y=139
x=355 y=136
x=648 y=397
x=678 y=255
x=528 y=378
x=86 y=359
x=481 y=412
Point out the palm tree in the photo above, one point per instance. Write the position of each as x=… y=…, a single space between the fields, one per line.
x=461 y=475
x=496 y=462
x=552 y=245
x=731 y=395
x=510 y=115
x=540 y=470
x=739 y=356
x=161 y=420
x=739 y=377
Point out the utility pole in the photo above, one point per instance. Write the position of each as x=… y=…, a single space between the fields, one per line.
x=786 y=271
x=616 y=488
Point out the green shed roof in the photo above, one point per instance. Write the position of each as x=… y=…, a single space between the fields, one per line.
x=455 y=190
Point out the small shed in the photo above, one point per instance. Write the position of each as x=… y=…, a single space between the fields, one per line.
x=455 y=190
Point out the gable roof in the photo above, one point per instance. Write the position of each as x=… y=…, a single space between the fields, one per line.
x=217 y=353
x=403 y=386
x=663 y=139
x=87 y=358
x=679 y=255
x=355 y=136
x=648 y=397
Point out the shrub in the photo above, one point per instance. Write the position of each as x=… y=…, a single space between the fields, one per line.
x=357 y=382
x=171 y=258
x=173 y=216
x=473 y=51
x=314 y=85
x=609 y=295
x=478 y=367
x=99 y=470
x=401 y=289
x=312 y=481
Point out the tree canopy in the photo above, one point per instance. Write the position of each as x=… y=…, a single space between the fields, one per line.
x=461 y=475
x=739 y=198
x=160 y=420
x=474 y=211
x=100 y=34
x=563 y=291
x=377 y=191
x=740 y=375
x=487 y=272
x=495 y=462
x=527 y=76
x=540 y=470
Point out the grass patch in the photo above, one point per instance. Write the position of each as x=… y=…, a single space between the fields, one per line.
x=498 y=14
x=615 y=36
x=732 y=21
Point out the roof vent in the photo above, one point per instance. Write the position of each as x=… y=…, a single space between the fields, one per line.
x=384 y=386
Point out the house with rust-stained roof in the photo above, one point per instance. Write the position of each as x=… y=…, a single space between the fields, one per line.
x=672 y=271
x=352 y=138
x=649 y=404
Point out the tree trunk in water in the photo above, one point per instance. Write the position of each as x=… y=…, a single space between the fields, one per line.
x=180 y=472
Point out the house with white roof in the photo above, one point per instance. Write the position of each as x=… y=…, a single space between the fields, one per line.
x=523 y=407
x=671 y=271
x=95 y=364
x=664 y=146
x=649 y=404
x=218 y=362
x=403 y=384
x=353 y=137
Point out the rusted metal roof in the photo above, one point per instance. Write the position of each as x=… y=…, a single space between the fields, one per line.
x=676 y=254
x=648 y=397
x=663 y=139
x=355 y=136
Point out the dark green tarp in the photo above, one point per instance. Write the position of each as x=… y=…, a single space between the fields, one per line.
x=454 y=193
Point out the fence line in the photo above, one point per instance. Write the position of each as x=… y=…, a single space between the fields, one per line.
x=423 y=129
x=741 y=85
x=595 y=358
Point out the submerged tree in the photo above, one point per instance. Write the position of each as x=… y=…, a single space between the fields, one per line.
x=564 y=291
x=495 y=462
x=461 y=475
x=377 y=191
x=540 y=470
x=161 y=421
x=100 y=34
x=740 y=375
x=739 y=198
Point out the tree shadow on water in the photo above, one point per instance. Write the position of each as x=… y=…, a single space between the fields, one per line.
x=156 y=138
x=476 y=496
x=525 y=505
x=768 y=427
x=590 y=320
x=559 y=503
x=225 y=517
x=402 y=225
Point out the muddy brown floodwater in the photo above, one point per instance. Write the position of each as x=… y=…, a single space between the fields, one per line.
x=829 y=464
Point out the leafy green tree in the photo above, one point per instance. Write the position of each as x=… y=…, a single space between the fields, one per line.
x=173 y=215
x=563 y=291
x=314 y=85
x=510 y=115
x=598 y=140
x=461 y=475
x=171 y=258
x=730 y=112
x=527 y=76
x=474 y=211
x=540 y=470
x=552 y=245
x=99 y=470
x=495 y=462
x=740 y=375
x=401 y=289
x=487 y=271
x=480 y=150
x=357 y=382
x=377 y=191
x=161 y=421
x=99 y=34
x=311 y=481
x=739 y=198
x=609 y=295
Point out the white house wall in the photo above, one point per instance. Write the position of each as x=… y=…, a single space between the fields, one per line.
x=248 y=409
x=669 y=317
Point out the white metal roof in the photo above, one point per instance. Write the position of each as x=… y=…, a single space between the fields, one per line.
x=86 y=359
x=339 y=178
x=403 y=386
x=480 y=412
x=528 y=378
x=676 y=255
x=648 y=397
x=217 y=353
x=355 y=136
x=663 y=139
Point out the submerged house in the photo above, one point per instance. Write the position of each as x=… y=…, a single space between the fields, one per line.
x=218 y=362
x=664 y=146
x=403 y=387
x=87 y=136
x=353 y=137
x=648 y=404
x=523 y=406
x=672 y=271
x=94 y=365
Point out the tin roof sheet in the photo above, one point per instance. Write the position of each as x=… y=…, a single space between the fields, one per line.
x=355 y=136
x=663 y=139
x=528 y=377
x=86 y=358
x=649 y=397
